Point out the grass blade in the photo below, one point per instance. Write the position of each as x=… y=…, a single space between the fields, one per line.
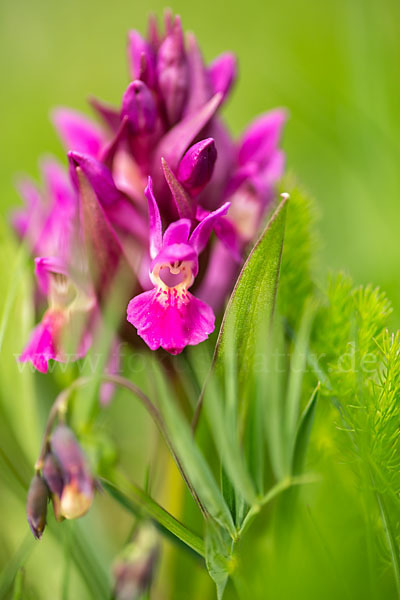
x=136 y=501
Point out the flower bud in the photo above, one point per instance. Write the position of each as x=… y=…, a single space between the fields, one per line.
x=78 y=488
x=141 y=59
x=133 y=570
x=172 y=73
x=139 y=106
x=36 y=505
x=222 y=73
x=197 y=165
x=53 y=477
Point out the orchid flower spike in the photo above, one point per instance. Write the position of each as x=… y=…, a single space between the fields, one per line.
x=162 y=152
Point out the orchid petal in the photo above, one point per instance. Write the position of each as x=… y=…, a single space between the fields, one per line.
x=178 y=232
x=40 y=348
x=170 y=322
x=142 y=60
x=109 y=114
x=220 y=277
x=174 y=144
x=222 y=73
x=44 y=266
x=154 y=221
x=99 y=176
x=201 y=234
x=261 y=138
x=175 y=253
x=200 y=86
x=77 y=131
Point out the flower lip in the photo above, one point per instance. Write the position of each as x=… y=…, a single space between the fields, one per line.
x=173 y=254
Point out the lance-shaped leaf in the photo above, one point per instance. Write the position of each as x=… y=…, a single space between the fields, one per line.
x=218 y=556
x=303 y=433
x=139 y=503
x=252 y=302
x=298 y=365
x=105 y=254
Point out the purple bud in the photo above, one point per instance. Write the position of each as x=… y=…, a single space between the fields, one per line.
x=152 y=32
x=36 y=505
x=52 y=475
x=142 y=59
x=197 y=165
x=77 y=493
x=172 y=73
x=139 y=106
x=222 y=72
x=133 y=570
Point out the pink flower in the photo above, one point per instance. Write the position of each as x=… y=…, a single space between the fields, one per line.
x=64 y=332
x=168 y=133
x=169 y=316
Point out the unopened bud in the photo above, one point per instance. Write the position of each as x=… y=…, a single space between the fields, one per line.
x=172 y=73
x=222 y=72
x=36 y=505
x=141 y=59
x=133 y=570
x=77 y=494
x=197 y=166
x=53 y=477
x=139 y=106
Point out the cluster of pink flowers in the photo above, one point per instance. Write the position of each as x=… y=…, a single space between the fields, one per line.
x=148 y=188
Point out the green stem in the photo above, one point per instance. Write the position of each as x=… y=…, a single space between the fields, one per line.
x=390 y=537
x=139 y=500
x=61 y=403
x=277 y=489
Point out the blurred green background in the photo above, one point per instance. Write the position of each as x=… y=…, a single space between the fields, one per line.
x=335 y=65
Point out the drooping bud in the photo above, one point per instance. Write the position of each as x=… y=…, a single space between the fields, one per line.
x=53 y=477
x=78 y=489
x=139 y=106
x=142 y=59
x=36 y=505
x=133 y=570
x=222 y=73
x=197 y=165
x=172 y=73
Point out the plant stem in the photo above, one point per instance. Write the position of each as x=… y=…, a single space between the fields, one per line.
x=60 y=407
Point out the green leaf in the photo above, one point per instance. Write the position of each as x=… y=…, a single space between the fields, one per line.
x=252 y=302
x=14 y=565
x=194 y=464
x=137 y=502
x=228 y=491
x=303 y=433
x=297 y=368
x=222 y=419
x=218 y=556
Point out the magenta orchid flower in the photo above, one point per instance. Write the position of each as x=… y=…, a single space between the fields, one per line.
x=63 y=333
x=169 y=316
x=102 y=219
